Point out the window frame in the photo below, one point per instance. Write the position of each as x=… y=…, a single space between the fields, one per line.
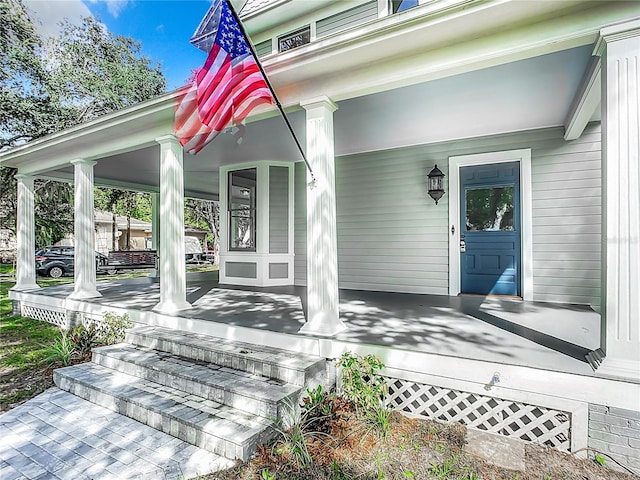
x=252 y=210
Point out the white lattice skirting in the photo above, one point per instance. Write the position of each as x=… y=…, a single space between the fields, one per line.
x=506 y=417
x=56 y=317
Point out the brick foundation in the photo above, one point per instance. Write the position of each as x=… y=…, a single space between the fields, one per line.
x=616 y=432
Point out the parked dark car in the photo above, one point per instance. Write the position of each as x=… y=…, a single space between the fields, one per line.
x=56 y=261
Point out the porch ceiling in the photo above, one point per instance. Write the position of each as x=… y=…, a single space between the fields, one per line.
x=528 y=94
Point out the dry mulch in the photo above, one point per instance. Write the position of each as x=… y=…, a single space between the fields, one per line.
x=414 y=449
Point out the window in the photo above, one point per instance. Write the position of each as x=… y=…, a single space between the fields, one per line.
x=489 y=209
x=242 y=210
x=398 y=6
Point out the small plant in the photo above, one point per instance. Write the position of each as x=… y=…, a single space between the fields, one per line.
x=294 y=432
x=266 y=474
x=113 y=328
x=338 y=472
x=600 y=459
x=443 y=470
x=318 y=408
x=85 y=338
x=61 y=350
x=381 y=418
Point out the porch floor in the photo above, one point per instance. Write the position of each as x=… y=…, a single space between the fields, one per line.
x=540 y=335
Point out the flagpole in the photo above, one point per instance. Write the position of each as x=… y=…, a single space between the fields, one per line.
x=273 y=93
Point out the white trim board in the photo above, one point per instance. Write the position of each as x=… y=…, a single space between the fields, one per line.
x=455 y=163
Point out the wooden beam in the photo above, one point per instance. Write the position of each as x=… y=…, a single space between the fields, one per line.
x=585 y=103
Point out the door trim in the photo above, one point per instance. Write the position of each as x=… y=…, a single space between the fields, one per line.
x=526 y=215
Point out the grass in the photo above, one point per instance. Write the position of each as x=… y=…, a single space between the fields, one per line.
x=26 y=344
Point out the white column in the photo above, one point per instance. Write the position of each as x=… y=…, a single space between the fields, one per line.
x=173 y=278
x=155 y=227
x=25 y=229
x=84 y=261
x=619 y=47
x=322 y=252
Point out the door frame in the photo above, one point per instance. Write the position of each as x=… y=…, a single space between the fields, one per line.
x=526 y=214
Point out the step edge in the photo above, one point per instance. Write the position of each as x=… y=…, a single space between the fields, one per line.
x=311 y=358
x=156 y=409
x=184 y=376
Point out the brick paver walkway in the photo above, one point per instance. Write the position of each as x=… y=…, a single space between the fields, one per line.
x=57 y=435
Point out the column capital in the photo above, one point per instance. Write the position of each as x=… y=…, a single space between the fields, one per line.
x=83 y=161
x=169 y=138
x=317 y=102
x=612 y=33
x=23 y=176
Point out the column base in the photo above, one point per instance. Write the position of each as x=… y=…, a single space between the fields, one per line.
x=324 y=324
x=21 y=287
x=84 y=294
x=620 y=369
x=171 y=307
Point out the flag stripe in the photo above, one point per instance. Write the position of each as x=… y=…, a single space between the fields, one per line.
x=226 y=89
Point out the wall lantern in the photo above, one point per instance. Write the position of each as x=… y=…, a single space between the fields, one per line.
x=435 y=182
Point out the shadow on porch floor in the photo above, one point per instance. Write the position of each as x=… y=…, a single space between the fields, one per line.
x=541 y=335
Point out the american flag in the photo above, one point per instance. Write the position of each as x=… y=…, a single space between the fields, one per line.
x=225 y=89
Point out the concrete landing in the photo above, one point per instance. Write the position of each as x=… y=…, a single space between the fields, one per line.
x=57 y=435
x=496 y=449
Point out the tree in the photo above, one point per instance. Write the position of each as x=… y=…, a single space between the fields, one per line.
x=127 y=203
x=204 y=214
x=101 y=73
x=27 y=109
x=86 y=73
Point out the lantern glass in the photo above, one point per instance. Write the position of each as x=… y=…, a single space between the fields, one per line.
x=435 y=183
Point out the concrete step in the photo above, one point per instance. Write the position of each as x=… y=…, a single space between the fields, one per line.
x=294 y=368
x=221 y=429
x=241 y=390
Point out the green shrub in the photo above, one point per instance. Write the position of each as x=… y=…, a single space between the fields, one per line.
x=318 y=408
x=361 y=382
x=113 y=328
x=366 y=389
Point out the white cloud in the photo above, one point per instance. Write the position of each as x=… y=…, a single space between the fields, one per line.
x=114 y=7
x=48 y=14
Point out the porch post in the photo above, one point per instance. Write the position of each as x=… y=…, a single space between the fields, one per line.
x=26 y=236
x=619 y=47
x=322 y=253
x=173 y=279
x=84 y=262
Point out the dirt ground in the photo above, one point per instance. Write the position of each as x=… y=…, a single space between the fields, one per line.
x=18 y=387
x=414 y=449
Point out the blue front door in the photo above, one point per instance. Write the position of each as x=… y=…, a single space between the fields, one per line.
x=490 y=234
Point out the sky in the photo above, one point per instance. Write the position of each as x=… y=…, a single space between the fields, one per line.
x=163 y=27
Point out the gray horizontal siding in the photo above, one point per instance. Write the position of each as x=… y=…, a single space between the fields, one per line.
x=566 y=180
x=392 y=236
x=347 y=19
x=263 y=48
